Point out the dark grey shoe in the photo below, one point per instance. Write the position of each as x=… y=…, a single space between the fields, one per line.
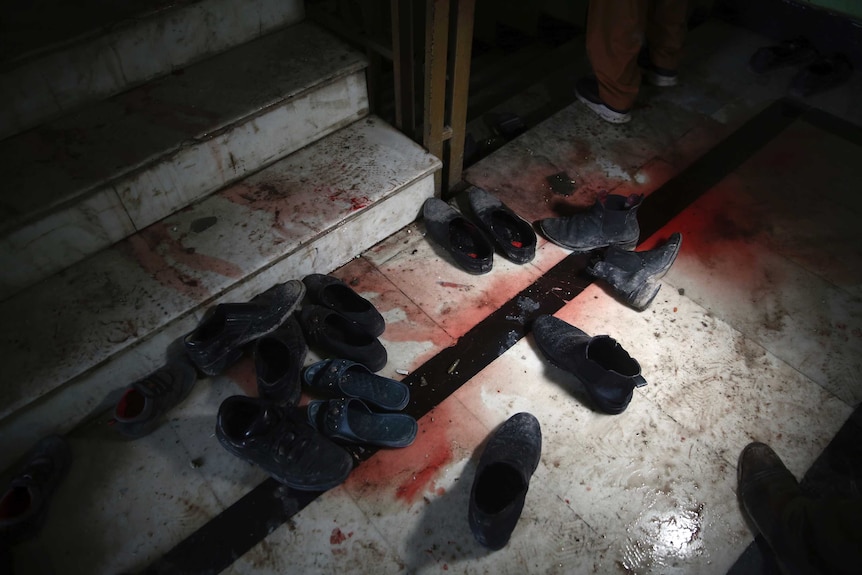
x=145 y=402
x=280 y=441
x=217 y=342
x=612 y=222
x=332 y=293
x=502 y=478
x=607 y=371
x=278 y=360
x=635 y=276
x=513 y=236
x=464 y=241
x=25 y=502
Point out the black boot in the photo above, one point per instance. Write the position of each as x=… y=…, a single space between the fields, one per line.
x=635 y=276
x=609 y=223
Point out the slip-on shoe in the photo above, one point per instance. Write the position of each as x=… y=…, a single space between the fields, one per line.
x=513 y=236
x=339 y=297
x=502 y=478
x=345 y=378
x=351 y=421
x=217 y=342
x=460 y=237
x=607 y=371
x=340 y=337
x=280 y=441
x=278 y=360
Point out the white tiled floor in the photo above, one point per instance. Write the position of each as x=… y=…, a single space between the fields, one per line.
x=754 y=335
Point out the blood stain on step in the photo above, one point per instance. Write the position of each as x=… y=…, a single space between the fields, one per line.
x=337 y=537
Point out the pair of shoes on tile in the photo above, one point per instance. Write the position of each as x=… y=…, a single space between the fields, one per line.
x=587 y=92
x=342 y=323
x=634 y=276
x=600 y=363
x=279 y=440
x=220 y=337
x=817 y=73
x=468 y=243
x=26 y=500
x=508 y=461
x=347 y=417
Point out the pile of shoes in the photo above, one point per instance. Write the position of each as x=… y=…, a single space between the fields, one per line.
x=300 y=447
x=817 y=72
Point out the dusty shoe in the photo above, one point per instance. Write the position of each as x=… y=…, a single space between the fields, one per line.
x=502 y=478
x=280 y=441
x=332 y=293
x=146 y=401
x=587 y=91
x=278 y=360
x=607 y=371
x=609 y=223
x=24 y=505
x=635 y=276
x=217 y=342
x=464 y=241
x=821 y=75
x=513 y=236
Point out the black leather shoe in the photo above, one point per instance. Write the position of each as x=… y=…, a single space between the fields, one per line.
x=145 y=402
x=339 y=297
x=25 y=502
x=464 y=241
x=607 y=371
x=278 y=360
x=612 y=222
x=280 y=441
x=514 y=237
x=502 y=477
x=340 y=337
x=217 y=341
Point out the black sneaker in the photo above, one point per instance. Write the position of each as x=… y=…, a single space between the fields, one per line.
x=587 y=91
x=278 y=360
x=142 y=406
x=280 y=441
x=218 y=340
x=25 y=502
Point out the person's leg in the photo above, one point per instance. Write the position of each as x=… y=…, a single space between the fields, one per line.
x=615 y=33
x=667 y=24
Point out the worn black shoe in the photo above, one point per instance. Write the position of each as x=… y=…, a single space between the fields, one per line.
x=821 y=75
x=217 y=342
x=145 y=402
x=612 y=222
x=607 y=371
x=502 y=478
x=336 y=295
x=514 y=237
x=793 y=52
x=26 y=500
x=464 y=241
x=340 y=337
x=278 y=360
x=587 y=91
x=634 y=276
x=280 y=441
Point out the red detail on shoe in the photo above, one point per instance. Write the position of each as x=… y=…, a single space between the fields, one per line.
x=15 y=503
x=517 y=244
x=474 y=256
x=130 y=405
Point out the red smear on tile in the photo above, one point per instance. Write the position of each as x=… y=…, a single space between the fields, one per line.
x=243 y=374
x=410 y=472
x=454 y=285
x=337 y=537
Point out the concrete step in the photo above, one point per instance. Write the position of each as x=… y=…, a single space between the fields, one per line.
x=81 y=183
x=58 y=55
x=75 y=337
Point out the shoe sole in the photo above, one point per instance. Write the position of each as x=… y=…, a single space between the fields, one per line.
x=604 y=112
x=659 y=80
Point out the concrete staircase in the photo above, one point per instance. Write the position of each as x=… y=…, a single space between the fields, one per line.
x=159 y=158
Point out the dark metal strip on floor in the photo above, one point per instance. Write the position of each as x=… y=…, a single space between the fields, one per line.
x=237 y=529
